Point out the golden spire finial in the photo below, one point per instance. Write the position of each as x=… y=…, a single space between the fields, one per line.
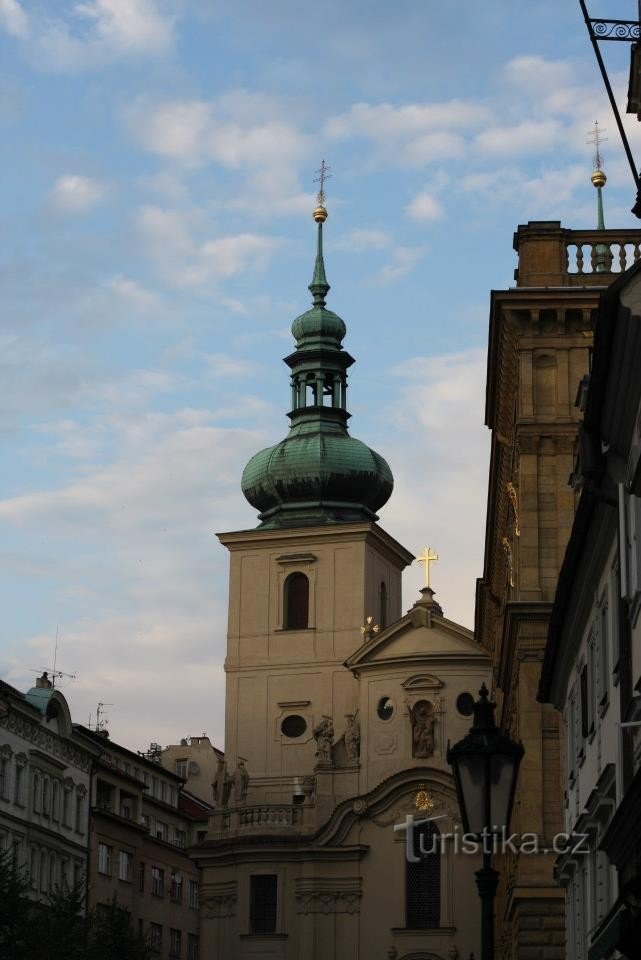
x=598 y=178
x=320 y=213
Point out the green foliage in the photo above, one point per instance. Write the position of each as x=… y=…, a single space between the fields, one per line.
x=59 y=929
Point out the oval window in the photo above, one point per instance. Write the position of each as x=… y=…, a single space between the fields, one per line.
x=293 y=726
x=385 y=708
x=465 y=704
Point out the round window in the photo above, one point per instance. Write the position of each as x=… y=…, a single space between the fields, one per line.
x=465 y=704
x=385 y=708
x=293 y=726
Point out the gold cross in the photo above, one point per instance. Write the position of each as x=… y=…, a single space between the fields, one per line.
x=427 y=557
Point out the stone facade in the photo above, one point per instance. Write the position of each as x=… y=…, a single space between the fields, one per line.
x=45 y=773
x=195 y=760
x=539 y=339
x=327 y=827
x=142 y=824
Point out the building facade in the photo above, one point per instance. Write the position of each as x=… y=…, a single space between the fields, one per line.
x=338 y=707
x=45 y=780
x=592 y=666
x=539 y=341
x=195 y=759
x=142 y=825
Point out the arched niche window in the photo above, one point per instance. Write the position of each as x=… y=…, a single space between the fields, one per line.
x=382 y=606
x=423 y=879
x=296 y=602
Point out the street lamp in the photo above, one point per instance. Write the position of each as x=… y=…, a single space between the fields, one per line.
x=485 y=764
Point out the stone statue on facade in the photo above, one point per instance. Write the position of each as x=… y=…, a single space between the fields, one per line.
x=221 y=786
x=240 y=781
x=352 y=738
x=423 y=723
x=324 y=735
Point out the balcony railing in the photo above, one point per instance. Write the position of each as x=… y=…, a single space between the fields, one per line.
x=269 y=817
x=602 y=251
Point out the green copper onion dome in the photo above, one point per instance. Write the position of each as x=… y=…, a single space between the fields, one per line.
x=318 y=473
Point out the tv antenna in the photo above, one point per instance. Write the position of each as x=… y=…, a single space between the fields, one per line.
x=54 y=674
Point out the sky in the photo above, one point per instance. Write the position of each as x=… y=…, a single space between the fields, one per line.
x=156 y=242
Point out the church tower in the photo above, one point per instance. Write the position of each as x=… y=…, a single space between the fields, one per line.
x=338 y=707
x=303 y=583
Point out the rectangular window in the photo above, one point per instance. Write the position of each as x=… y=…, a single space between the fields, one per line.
x=157 y=882
x=604 y=652
x=585 y=709
x=79 y=812
x=145 y=820
x=263 y=893
x=175 y=942
x=104 y=859
x=181 y=838
x=176 y=887
x=193 y=894
x=141 y=877
x=4 y=777
x=192 y=947
x=155 y=937
x=36 y=799
x=46 y=796
x=172 y=796
x=124 y=866
x=65 y=807
x=18 y=785
x=161 y=830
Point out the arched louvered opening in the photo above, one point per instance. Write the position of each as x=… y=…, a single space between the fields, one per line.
x=296 y=602
x=423 y=879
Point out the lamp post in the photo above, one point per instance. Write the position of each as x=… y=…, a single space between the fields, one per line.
x=485 y=764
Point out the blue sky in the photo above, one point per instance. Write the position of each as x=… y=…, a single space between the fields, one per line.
x=157 y=241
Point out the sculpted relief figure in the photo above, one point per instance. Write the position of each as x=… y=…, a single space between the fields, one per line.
x=221 y=787
x=324 y=736
x=240 y=781
x=423 y=723
x=352 y=738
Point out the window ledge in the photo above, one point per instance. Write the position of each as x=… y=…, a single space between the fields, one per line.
x=264 y=936
x=423 y=931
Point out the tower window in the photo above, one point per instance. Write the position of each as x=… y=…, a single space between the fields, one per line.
x=296 y=599
x=382 y=603
x=423 y=879
x=263 y=903
x=293 y=726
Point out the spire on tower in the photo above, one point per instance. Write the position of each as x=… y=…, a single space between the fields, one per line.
x=599 y=180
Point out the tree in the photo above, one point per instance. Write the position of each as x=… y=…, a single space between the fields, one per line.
x=58 y=928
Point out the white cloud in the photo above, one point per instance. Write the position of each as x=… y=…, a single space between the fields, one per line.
x=142 y=522
x=196 y=131
x=384 y=120
x=128 y=26
x=424 y=206
x=73 y=193
x=402 y=261
x=91 y=34
x=13 y=18
x=168 y=236
x=440 y=483
x=362 y=239
x=527 y=137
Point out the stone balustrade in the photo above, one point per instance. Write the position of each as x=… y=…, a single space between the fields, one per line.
x=552 y=256
x=602 y=251
x=271 y=817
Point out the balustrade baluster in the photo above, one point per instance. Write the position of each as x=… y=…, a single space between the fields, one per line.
x=593 y=257
x=579 y=257
x=637 y=252
x=623 y=256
